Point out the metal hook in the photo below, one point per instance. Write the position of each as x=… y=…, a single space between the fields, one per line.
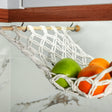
x=22 y=23
x=76 y=27
x=71 y=24
x=25 y=28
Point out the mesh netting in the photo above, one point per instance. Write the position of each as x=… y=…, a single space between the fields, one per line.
x=45 y=48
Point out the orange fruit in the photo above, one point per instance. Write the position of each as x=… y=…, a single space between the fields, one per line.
x=91 y=70
x=100 y=62
x=85 y=86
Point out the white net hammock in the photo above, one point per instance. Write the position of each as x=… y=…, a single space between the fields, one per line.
x=45 y=49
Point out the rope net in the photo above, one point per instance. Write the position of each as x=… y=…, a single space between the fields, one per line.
x=45 y=48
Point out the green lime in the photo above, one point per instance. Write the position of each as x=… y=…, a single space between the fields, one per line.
x=68 y=67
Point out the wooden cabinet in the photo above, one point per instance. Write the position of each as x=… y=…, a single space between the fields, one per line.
x=56 y=10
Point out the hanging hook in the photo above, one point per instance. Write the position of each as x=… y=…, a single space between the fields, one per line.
x=76 y=27
x=71 y=24
x=22 y=24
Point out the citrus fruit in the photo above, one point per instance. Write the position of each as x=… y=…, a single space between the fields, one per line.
x=68 y=67
x=85 y=86
x=100 y=62
x=91 y=70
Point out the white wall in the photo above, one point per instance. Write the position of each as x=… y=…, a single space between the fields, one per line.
x=43 y=3
x=13 y=4
x=4 y=4
x=5 y=92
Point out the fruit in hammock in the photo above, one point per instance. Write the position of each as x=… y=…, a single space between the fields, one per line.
x=91 y=70
x=100 y=62
x=68 y=67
